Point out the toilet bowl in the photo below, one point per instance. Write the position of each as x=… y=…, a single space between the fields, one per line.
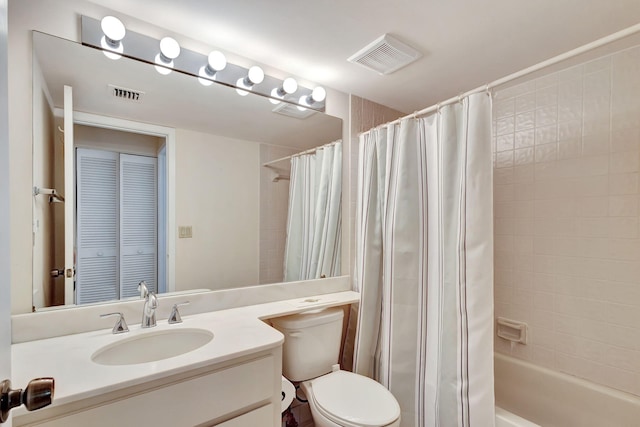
x=344 y=399
x=336 y=398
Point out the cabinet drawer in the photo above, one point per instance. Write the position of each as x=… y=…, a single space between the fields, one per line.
x=189 y=402
x=258 y=417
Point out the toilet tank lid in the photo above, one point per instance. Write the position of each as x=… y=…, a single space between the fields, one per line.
x=308 y=318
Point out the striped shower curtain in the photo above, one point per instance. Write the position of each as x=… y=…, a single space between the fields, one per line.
x=312 y=247
x=424 y=264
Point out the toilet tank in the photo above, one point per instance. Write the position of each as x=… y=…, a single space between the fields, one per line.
x=311 y=342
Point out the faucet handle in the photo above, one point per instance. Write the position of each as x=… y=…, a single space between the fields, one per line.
x=174 y=317
x=143 y=289
x=120 y=326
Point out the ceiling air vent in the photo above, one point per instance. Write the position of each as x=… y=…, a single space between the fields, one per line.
x=126 y=94
x=385 y=55
x=292 y=110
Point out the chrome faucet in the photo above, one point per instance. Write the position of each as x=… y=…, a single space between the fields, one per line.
x=150 y=305
x=149 y=310
x=142 y=288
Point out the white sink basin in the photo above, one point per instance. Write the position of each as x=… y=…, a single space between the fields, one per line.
x=152 y=346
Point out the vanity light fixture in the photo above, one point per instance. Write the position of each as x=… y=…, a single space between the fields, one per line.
x=108 y=35
x=319 y=94
x=216 y=61
x=169 y=50
x=255 y=76
x=114 y=31
x=288 y=87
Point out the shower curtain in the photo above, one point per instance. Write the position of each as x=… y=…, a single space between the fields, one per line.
x=312 y=248
x=424 y=264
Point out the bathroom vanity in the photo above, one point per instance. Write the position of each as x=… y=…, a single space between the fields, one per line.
x=106 y=379
x=232 y=380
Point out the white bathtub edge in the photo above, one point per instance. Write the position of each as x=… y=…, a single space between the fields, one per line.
x=552 y=398
x=505 y=418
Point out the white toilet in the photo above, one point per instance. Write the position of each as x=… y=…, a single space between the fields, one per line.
x=336 y=398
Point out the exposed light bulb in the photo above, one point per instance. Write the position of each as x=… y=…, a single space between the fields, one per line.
x=114 y=31
x=319 y=94
x=289 y=85
x=110 y=51
x=275 y=96
x=163 y=67
x=216 y=61
x=241 y=84
x=255 y=75
x=303 y=101
x=204 y=77
x=169 y=48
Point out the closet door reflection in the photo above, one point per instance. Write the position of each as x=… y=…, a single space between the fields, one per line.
x=97 y=232
x=117 y=230
x=138 y=223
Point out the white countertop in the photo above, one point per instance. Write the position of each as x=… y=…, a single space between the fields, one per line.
x=237 y=332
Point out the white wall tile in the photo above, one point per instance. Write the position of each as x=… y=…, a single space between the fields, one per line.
x=504 y=142
x=597 y=64
x=546 y=134
x=567 y=212
x=503 y=176
x=571 y=73
x=504 y=159
x=526 y=102
x=524 y=138
x=547 y=96
x=525 y=120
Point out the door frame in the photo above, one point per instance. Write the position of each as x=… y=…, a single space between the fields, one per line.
x=5 y=206
x=169 y=135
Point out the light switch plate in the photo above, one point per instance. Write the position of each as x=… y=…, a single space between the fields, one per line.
x=185 y=232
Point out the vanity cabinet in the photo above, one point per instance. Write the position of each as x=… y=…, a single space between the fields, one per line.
x=241 y=393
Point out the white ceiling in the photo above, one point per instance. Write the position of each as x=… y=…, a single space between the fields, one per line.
x=465 y=43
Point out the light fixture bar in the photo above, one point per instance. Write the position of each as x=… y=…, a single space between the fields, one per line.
x=144 y=48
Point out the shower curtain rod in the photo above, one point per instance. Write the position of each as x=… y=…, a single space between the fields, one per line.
x=537 y=67
x=310 y=150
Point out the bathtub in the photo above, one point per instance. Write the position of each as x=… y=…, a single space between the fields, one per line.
x=505 y=418
x=555 y=399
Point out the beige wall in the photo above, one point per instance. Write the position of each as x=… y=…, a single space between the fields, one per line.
x=43 y=211
x=61 y=18
x=115 y=140
x=218 y=194
x=567 y=231
x=55 y=17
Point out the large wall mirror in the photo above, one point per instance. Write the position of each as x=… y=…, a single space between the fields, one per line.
x=161 y=177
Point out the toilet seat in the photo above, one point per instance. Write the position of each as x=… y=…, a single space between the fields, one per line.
x=353 y=400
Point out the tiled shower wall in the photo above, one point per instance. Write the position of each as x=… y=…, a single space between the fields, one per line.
x=567 y=237
x=274 y=204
